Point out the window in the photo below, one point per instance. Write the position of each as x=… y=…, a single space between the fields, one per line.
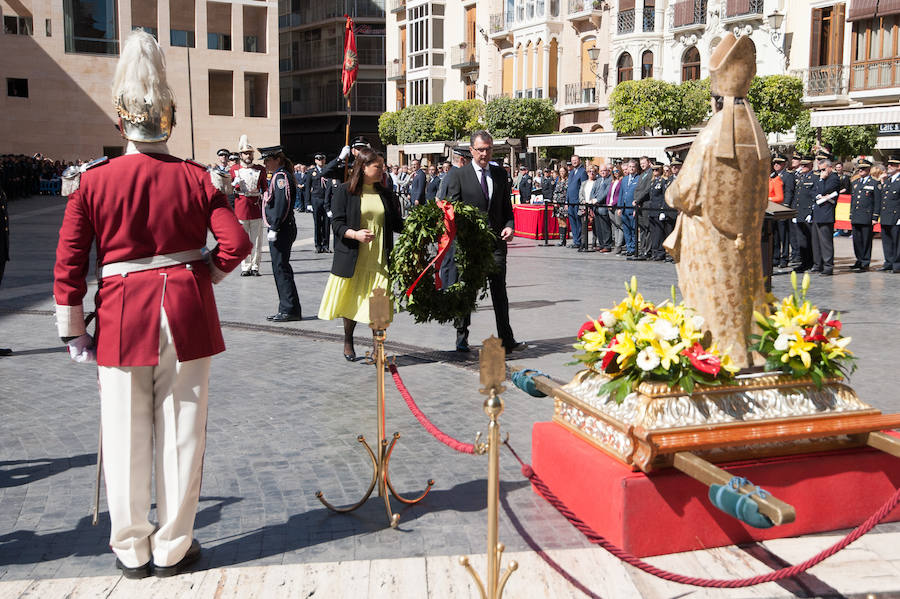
x=875 y=52
x=16 y=88
x=181 y=23
x=144 y=16
x=649 y=15
x=690 y=64
x=113 y=151
x=419 y=39
x=255 y=29
x=624 y=68
x=221 y=93
x=18 y=25
x=218 y=26
x=91 y=26
x=418 y=92
x=256 y=94
x=647 y=65
x=827 y=36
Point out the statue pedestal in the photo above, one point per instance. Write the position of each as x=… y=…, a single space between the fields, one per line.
x=669 y=512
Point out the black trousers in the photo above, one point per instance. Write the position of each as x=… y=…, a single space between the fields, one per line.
x=803 y=236
x=890 y=243
x=862 y=243
x=823 y=246
x=795 y=236
x=644 y=242
x=603 y=228
x=280 y=251
x=782 y=251
x=497 y=285
x=657 y=236
x=320 y=221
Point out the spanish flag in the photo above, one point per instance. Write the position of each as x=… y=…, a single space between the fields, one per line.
x=351 y=63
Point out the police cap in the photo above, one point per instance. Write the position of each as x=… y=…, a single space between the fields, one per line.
x=807 y=159
x=464 y=152
x=676 y=162
x=893 y=159
x=779 y=158
x=270 y=152
x=864 y=163
x=360 y=142
x=223 y=152
x=319 y=156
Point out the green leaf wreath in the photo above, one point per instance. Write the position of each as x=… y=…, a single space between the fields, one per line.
x=418 y=246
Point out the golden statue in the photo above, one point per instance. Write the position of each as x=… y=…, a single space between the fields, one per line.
x=721 y=193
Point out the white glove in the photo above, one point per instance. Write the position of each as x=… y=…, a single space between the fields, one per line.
x=662 y=217
x=898 y=221
x=81 y=349
x=809 y=218
x=329 y=214
x=794 y=220
x=272 y=235
x=822 y=201
x=344 y=152
x=309 y=208
x=216 y=275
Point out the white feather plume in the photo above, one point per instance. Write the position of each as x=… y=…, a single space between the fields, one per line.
x=140 y=78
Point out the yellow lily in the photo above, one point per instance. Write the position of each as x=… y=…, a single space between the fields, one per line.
x=797 y=347
x=644 y=331
x=667 y=352
x=807 y=315
x=624 y=347
x=838 y=348
x=594 y=340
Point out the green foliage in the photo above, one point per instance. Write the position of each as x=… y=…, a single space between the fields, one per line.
x=851 y=140
x=457 y=119
x=519 y=117
x=652 y=105
x=387 y=127
x=417 y=247
x=777 y=101
x=416 y=124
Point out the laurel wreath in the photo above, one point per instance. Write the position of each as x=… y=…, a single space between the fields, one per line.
x=417 y=247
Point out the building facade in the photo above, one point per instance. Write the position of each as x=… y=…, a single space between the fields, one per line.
x=58 y=58
x=313 y=109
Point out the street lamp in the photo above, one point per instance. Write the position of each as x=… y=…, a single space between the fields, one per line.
x=776 y=19
x=594 y=64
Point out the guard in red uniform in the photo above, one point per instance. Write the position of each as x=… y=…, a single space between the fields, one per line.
x=249 y=182
x=147 y=214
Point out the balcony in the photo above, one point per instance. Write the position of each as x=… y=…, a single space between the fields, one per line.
x=823 y=84
x=874 y=75
x=537 y=92
x=582 y=93
x=742 y=10
x=625 y=22
x=649 y=19
x=396 y=71
x=689 y=14
x=397 y=6
x=464 y=56
x=498 y=96
x=585 y=12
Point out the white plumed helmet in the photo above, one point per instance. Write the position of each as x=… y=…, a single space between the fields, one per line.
x=141 y=94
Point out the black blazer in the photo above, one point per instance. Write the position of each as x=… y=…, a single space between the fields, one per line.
x=346 y=215
x=465 y=186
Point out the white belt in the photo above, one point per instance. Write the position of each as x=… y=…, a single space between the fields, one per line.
x=123 y=268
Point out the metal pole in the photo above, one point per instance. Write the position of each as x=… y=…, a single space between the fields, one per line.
x=493 y=407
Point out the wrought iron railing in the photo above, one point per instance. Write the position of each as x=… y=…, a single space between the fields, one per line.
x=396 y=70
x=689 y=12
x=625 y=21
x=739 y=8
x=500 y=95
x=579 y=6
x=875 y=74
x=501 y=22
x=825 y=80
x=649 y=18
x=397 y=6
x=584 y=92
x=464 y=55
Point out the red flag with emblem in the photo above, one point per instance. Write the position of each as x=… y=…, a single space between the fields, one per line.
x=351 y=64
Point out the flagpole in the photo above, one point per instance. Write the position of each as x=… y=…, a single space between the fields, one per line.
x=347 y=133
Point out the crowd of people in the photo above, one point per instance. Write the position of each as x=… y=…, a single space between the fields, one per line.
x=22 y=176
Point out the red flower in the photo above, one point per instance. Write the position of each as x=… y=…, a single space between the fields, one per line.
x=835 y=324
x=649 y=311
x=609 y=356
x=815 y=333
x=586 y=328
x=702 y=360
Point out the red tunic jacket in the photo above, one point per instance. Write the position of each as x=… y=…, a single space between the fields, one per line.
x=248 y=208
x=137 y=206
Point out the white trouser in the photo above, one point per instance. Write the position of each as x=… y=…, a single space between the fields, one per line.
x=254 y=229
x=141 y=406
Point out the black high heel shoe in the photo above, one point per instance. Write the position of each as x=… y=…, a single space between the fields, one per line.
x=351 y=357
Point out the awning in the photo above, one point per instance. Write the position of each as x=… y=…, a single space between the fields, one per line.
x=863 y=115
x=862 y=9
x=633 y=147
x=431 y=147
x=569 y=139
x=888 y=142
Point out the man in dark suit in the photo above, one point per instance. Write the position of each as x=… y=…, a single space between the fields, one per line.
x=434 y=183
x=804 y=201
x=417 y=183
x=865 y=207
x=318 y=188
x=641 y=197
x=826 y=193
x=485 y=186
x=890 y=216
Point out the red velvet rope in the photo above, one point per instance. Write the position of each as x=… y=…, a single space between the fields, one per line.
x=423 y=420
x=630 y=559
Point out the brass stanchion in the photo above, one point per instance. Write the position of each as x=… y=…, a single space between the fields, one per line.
x=492 y=360
x=379 y=314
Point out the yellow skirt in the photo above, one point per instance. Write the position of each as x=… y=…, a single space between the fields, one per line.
x=349 y=298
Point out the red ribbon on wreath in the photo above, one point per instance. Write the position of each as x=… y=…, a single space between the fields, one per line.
x=443 y=246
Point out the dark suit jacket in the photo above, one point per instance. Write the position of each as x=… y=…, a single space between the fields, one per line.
x=526 y=185
x=431 y=190
x=464 y=186
x=347 y=215
x=824 y=213
x=417 y=183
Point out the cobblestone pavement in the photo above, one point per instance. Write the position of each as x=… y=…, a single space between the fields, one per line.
x=285 y=410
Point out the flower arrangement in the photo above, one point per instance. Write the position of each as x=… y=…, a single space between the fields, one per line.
x=638 y=341
x=799 y=340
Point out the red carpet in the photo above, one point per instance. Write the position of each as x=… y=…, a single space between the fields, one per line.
x=669 y=512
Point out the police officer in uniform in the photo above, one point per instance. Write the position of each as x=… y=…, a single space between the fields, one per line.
x=656 y=205
x=344 y=161
x=782 y=250
x=804 y=200
x=865 y=206
x=890 y=216
x=318 y=187
x=278 y=203
x=793 y=230
x=827 y=187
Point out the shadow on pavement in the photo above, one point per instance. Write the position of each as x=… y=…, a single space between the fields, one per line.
x=14 y=473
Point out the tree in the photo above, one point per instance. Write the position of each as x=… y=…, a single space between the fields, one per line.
x=652 y=104
x=852 y=140
x=519 y=117
x=416 y=124
x=458 y=118
x=387 y=127
x=777 y=101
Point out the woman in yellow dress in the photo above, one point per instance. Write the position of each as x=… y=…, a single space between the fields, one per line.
x=366 y=213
